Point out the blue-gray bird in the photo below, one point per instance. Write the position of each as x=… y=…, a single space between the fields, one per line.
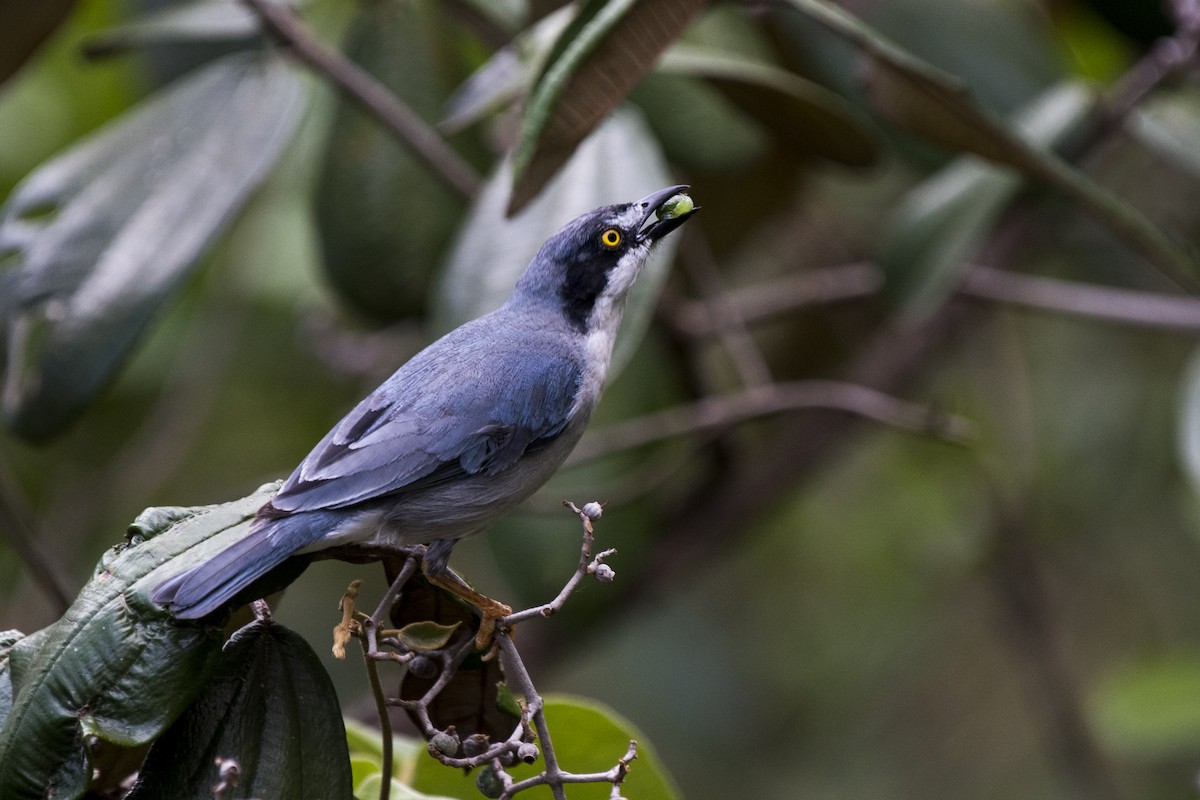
x=466 y=429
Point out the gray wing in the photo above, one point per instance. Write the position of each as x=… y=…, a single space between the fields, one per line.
x=454 y=416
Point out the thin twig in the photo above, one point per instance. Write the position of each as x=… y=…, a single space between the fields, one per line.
x=587 y=566
x=524 y=684
x=1101 y=303
x=48 y=572
x=747 y=359
x=716 y=413
x=371 y=95
x=385 y=721
x=806 y=289
x=762 y=301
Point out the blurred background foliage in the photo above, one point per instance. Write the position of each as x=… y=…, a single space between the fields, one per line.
x=807 y=604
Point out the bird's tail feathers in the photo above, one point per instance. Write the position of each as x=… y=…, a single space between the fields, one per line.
x=207 y=587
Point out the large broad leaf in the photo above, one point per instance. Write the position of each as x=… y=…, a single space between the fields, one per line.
x=1148 y=711
x=384 y=219
x=618 y=163
x=602 y=54
x=938 y=107
x=26 y=25
x=270 y=708
x=804 y=114
x=195 y=21
x=588 y=737
x=117 y=668
x=942 y=223
x=97 y=239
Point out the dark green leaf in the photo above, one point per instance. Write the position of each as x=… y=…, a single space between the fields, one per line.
x=937 y=106
x=271 y=708
x=102 y=235
x=116 y=667
x=7 y=640
x=942 y=223
x=620 y=162
x=603 y=53
x=811 y=116
x=26 y=25
x=384 y=219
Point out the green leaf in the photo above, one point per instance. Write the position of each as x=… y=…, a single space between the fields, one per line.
x=101 y=236
x=506 y=75
x=942 y=223
x=425 y=636
x=271 y=708
x=196 y=21
x=1149 y=710
x=937 y=106
x=588 y=737
x=117 y=666
x=810 y=116
x=620 y=162
x=601 y=55
x=383 y=218
x=7 y=640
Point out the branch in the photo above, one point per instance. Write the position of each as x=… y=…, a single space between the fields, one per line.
x=716 y=413
x=1101 y=303
x=476 y=750
x=361 y=87
x=762 y=301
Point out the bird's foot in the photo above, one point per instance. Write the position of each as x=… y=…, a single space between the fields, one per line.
x=491 y=612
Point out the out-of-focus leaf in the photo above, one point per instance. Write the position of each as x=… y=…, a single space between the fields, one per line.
x=588 y=737
x=602 y=54
x=619 y=162
x=937 y=106
x=98 y=238
x=117 y=668
x=698 y=129
x=1149 y=710
x=26 y=25
x=384 y=219
x=505 y=76
x=271 y=708
x=366 y=761
x=196 y=21
x=1189 y=421
x=812 y=117
x=1169 y=123
x=941 y=224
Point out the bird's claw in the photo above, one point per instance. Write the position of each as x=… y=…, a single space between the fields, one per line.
x=491 y=613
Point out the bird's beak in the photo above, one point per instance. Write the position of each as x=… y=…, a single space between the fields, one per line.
x=658 y=228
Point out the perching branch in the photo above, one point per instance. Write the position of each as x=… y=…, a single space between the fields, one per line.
x=370 y=94
x=476 y=751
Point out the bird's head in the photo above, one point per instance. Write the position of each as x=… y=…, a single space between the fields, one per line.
x=589 y=265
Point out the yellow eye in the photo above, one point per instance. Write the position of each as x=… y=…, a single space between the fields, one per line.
x=611 y=238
